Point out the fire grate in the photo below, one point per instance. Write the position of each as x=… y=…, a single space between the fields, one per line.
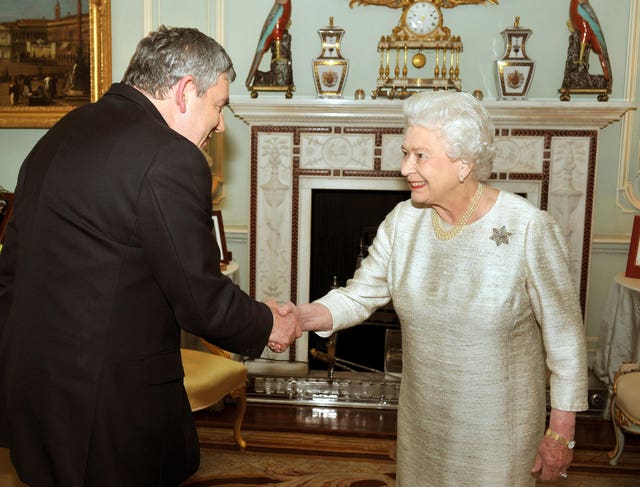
x=363 y=390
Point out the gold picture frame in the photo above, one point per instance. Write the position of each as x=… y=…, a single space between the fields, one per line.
x=214 y=152
x=100 y=74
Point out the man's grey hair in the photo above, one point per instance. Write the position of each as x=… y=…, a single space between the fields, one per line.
x=167 y=55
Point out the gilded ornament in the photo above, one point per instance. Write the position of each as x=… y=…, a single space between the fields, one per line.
x=419 y=60
x=419 y=28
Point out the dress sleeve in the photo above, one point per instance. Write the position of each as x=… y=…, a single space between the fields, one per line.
x=369 y=288
x=174 y=209
x=555 y=302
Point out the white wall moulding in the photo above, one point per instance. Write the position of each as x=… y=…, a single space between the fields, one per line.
x=388 y=113
x=546 y=150
x=628 y=195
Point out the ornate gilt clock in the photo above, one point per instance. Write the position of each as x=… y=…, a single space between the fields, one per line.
x=420 y=40
x=420 y=19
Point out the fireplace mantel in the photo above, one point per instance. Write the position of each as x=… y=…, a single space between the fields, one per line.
x=382 y=112
x=545 y=150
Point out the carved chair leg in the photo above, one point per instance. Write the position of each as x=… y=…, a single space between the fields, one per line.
x=614 y=454
x=240 y=397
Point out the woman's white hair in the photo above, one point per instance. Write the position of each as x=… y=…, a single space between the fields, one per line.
x=462 y=121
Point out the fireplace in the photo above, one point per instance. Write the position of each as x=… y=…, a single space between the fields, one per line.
x=304 y=148
x=343 y=224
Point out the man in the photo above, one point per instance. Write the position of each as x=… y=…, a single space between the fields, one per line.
x=109 y=250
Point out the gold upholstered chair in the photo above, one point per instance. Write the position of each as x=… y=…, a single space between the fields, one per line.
x=625 y=406
x=8 y=475
x=211 y=376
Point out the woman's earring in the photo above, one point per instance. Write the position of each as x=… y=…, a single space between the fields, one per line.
x=460 y=178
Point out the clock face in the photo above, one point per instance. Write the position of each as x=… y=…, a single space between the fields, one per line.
x=421 y=18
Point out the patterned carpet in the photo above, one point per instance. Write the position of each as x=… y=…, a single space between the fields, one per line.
x=315 y=460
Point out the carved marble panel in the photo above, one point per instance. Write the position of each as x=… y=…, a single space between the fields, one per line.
x=521 y=154
x=391 y=152
x=337 y=151
x=568 y=190
x=274 y=215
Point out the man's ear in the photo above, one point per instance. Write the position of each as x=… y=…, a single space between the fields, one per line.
x=184 y=89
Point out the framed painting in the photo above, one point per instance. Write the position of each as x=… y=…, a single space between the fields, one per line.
x=633 y=258
x=54 y=57
x=218 y=231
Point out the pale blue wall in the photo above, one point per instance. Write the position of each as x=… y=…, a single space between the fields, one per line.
x=480 y=28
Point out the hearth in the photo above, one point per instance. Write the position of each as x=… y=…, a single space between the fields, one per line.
x=345 y=389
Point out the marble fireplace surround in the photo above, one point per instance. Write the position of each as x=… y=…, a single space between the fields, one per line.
x=546 y=149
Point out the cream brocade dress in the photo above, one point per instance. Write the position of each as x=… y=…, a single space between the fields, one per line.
x=477 y=317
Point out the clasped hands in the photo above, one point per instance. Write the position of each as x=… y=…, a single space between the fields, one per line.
x=289 y=321
x=286 y=326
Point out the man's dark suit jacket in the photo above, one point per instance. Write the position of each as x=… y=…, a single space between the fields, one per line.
x=110 y=247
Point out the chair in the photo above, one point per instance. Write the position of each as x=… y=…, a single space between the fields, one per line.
x=8 y=475
x=211 y=376
x=625 y=406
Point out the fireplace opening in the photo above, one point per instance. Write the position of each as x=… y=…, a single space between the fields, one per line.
x=344 y=223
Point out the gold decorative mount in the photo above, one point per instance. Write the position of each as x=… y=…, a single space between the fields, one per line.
x=444 y=53
x=420 y=29
x=400 y=33
x=287 y=89
x=404 y=3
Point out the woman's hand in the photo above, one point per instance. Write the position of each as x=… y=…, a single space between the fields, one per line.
x=553 y=460
x=311 y=316
x=554 y=456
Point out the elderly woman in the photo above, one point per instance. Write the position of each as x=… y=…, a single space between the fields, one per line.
x=481 y=283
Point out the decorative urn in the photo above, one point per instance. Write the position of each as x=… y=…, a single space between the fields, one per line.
x=330 y=68
x=515 y=69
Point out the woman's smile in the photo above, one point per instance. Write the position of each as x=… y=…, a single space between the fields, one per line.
x=417 y=184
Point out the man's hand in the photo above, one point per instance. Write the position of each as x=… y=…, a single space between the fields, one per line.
x=286 y=327
x=305 y=317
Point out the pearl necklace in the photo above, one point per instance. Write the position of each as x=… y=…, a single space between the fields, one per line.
x=443 y=234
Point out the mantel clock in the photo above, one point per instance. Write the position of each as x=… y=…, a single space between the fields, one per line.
x=420 y=35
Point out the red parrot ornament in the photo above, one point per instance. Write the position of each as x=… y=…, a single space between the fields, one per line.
x=584 y=21
x=273 y=30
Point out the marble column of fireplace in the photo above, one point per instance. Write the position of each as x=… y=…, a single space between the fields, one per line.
x=546 y=149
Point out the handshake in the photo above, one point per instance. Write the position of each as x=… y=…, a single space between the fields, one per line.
x=289 y=321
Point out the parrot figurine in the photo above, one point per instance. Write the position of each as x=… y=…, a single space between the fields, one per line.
x=272 y=31
x=584 y=21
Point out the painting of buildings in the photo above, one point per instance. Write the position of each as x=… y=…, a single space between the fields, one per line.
x=44 y=53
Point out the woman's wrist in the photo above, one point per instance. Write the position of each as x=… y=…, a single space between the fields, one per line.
x=563 y=423
x=554 y=435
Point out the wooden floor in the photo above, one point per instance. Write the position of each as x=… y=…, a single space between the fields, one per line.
x=592 y=432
